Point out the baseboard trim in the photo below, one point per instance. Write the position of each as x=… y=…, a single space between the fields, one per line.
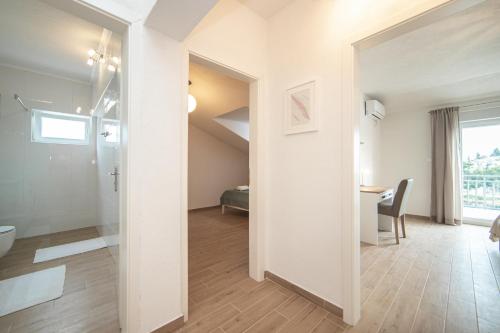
x=419 y=217
x=171 y=327
x=330 y=307
x=203 y=208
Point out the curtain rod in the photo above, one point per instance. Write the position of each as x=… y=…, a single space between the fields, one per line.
x=478 y=104
x=466 y=106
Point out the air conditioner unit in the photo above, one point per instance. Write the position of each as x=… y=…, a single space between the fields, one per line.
x=375 y=109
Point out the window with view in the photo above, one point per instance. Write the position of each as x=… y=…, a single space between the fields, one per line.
x=60 y=128
x=481 y=169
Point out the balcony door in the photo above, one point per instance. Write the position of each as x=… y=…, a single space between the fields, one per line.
x=481 y=170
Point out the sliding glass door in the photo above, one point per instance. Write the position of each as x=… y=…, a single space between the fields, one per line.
x=481 y=170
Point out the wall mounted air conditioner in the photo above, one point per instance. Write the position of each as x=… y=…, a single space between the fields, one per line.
x=374 y=109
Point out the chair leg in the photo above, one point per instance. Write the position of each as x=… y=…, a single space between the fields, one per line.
x=223 y=209
x=396 y=231
x=403 y=225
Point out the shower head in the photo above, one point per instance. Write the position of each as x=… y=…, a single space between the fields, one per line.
x=17 y=98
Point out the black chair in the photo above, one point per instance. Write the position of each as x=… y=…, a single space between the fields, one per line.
x=396 y=206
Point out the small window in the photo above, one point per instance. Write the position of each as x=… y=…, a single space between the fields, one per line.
x=62 y=128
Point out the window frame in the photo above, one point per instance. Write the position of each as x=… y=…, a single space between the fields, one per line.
x=36 y=127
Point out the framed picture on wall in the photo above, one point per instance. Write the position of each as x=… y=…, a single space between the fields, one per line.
x=301 y=109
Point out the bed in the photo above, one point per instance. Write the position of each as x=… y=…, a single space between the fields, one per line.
x=234 y=199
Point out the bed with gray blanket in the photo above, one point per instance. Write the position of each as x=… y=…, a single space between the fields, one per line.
x=234 y=199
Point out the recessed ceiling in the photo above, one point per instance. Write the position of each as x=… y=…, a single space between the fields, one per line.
x=455 y=59
x=266 y=8
x=37 y=36
x=217 y=94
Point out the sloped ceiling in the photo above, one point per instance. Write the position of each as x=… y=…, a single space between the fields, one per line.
x=217 y=94
x=455 y=59
x=237 y=121
x=177 y=18
x=38 y=36
x=266 y=8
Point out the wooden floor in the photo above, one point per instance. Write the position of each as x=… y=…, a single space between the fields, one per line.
x=439 y=279
x=222 y=298
x=89 y=301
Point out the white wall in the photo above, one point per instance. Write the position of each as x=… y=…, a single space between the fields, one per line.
x=44 y=188
x=370 y=148
x=305 y=169
x=406 y=153
x=213 y=167
x=154 y=150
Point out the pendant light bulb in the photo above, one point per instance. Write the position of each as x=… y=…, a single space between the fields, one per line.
x=191 y=103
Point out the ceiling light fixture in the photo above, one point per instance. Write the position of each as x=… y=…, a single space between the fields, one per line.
x=191 y=103
x=98 y=57
x=94 y=56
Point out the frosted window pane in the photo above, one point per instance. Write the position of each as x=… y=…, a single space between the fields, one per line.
x=63 y=129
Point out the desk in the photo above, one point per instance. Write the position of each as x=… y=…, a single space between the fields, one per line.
x=370 y=221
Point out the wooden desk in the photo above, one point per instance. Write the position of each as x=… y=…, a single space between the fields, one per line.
x=370 y=221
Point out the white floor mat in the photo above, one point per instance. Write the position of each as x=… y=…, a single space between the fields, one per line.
x=31 y=289
x=60 y=251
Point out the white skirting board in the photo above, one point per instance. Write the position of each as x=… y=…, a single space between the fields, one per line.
x=27 y=290
x=60 y=251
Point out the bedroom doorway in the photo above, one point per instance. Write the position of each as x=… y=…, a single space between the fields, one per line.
x=401 y=107
x=221 y=158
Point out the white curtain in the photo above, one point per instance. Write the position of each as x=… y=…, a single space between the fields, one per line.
x=446 y=188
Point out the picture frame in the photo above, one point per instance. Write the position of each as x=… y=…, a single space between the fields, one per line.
x=301 y=109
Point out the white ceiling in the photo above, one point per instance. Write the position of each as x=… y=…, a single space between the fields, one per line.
x=37 y=36
x=217 y=94
x=266 y=8
x=456 y=59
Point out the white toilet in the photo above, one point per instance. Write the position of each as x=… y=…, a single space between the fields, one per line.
x=7 y=237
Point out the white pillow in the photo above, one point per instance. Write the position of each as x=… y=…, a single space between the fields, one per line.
x=242 y=188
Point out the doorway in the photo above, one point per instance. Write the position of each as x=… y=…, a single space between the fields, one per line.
x=481 y=170
x=60 y=119
x=380 y=34
x=253 y=250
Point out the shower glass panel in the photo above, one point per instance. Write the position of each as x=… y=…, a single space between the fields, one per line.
x=107 y=114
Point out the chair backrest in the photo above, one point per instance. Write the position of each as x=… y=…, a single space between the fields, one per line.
x=401 y=197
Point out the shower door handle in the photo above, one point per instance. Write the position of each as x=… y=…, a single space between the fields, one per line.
x=115 y=174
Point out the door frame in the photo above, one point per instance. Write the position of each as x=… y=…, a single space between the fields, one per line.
x=116 y=17
x=257 y=164
x=369 y=35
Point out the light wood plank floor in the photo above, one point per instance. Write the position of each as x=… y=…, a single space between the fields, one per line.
x=222 y=297
x=439 y=279
x=89 y=302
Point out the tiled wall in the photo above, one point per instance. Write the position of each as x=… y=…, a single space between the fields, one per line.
x=44 y=188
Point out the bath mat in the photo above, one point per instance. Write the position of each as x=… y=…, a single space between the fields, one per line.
x=69 y=249
x=24 y=291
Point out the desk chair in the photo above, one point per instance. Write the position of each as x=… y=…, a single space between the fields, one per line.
x=396 y=206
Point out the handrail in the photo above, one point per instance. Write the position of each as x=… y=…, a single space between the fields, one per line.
x=481 y=191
